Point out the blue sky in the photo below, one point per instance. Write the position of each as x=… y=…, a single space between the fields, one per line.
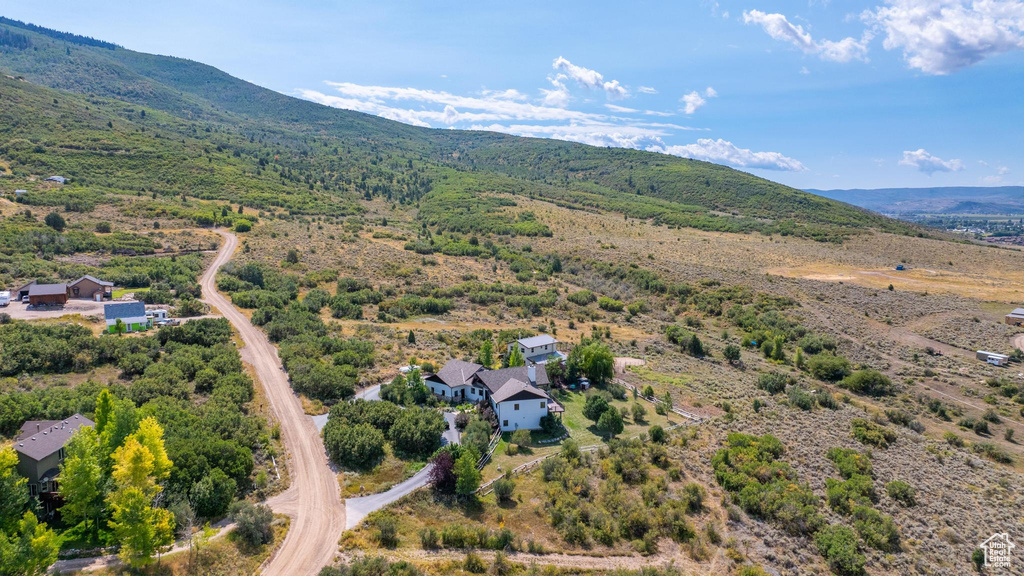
x=811 y=93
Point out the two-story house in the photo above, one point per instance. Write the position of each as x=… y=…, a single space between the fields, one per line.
x=515 y=394
x=40 y=447
x=537 y=349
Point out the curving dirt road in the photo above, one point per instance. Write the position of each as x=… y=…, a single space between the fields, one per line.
x=312 y=501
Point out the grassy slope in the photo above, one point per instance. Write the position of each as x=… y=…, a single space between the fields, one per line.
x=671 y=190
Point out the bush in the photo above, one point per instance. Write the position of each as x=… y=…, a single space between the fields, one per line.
x=867 y=432
x=850 y=462
x=610 y=422
x=828 y=367
x=800 y=397
x=582 y=297
x=843 y=495
x=596 y=405
x=243 y=226
x=103 y=227
x=55 y=221
x=474 y=564
x=521 y=437
x=252 y=522
x=902 y=492
x=610 y=304
x=429 y=539
x=638 y=412
x=732 y=353
x=417 y=432
x=359 y=446
x=503 y=489
x=877 y=529
x=386 y=528
x=838 y=544
x=772 y=382
x=869 y=382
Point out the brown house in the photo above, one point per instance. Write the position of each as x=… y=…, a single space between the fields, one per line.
x=91 y=288
x=48 y=294
x=40 y=447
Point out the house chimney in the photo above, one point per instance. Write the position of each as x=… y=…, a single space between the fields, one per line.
x=37 y=427
x=531 y=372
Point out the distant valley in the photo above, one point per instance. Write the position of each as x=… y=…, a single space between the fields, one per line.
x=954 y=200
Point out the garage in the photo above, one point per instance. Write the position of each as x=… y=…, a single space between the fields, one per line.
x=47 y=294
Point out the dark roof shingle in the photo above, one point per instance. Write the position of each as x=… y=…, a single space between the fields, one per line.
x=40 y=438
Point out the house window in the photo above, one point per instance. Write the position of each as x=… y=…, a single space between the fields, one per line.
x=60 y=454
x=33 y=489
x=515 y=406
x=542 y=404
x=504 y=423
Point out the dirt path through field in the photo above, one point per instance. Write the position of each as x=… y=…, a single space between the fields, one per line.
x=312 y=501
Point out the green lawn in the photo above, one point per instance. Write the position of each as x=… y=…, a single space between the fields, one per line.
x=122 y=291
x=582 y=430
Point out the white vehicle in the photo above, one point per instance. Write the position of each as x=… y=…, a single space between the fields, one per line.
x=5 y=298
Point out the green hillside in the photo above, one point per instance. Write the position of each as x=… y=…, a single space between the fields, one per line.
x=124 y=121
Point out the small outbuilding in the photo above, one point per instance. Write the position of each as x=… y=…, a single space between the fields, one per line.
x=131 y=314
x=48 y=294
x=993 y=358
x=57 y=179
x=1015 y=318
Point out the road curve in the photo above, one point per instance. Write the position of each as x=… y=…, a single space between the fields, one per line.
x=313 y=500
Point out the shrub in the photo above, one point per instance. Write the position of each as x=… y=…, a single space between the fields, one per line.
x=838 y=544
x=243 y=226
x=521 y=437
x=359 y=446
x=610 y=422
x=474 y=564
x=417 y=431
x=596 y=405
x=610 y=304
x=877 y=529
x=843 y=495
x=772 y=382
x=732 y=353
x=503 y=489
x=252 y=522
x=800 y=397
x=385 y=525
x=55 y=221
x=582 y=297
x=867 y=432
x=657 y=434
x=869 y=382
x=901 y=492
x=850 y=462
x=828 y=367
x=638 y=412
x=429 y=539
x=103 y=227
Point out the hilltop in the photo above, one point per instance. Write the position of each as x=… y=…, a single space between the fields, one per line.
x=339 y=156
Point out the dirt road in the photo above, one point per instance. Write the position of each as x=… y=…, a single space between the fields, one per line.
x=312 y=501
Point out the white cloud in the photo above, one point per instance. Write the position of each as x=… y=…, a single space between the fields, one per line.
x=804 y=70
x=780 y=28
x=928 y=163
x=590 y=78
x=694 y=100
x=657 y=113
x=1002 y=170
x=646 y=90
x=558 y=96
x=725 y=152
x=621 y=109
x=941 y=36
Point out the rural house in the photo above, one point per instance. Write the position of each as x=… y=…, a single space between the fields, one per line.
x=131 y=314
x=40 y=447
x=48 y=294
x=92 y=288
x=1015 y=318
x=515 y=394
x=537 y=349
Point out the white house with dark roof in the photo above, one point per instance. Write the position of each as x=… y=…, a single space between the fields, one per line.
x=40 y=447
x=515 y=394
x=537 y=349
x=131 y=314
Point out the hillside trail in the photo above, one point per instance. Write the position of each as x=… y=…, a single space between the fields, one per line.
x=312 y=500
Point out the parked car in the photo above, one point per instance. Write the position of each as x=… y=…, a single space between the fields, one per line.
x=24 y=299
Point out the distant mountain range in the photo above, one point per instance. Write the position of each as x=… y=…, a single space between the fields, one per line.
x=943 y=200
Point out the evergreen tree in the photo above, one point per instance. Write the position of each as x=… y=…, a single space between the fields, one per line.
x=486 y=356
x=467 y=477
x=515 y=358
x=412 y=337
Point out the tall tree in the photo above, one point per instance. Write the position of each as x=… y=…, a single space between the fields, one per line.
x=515 y=358
x=121 y=423
x=140 y=528
x=13 y=489
x=467 y=477
x=81 y=477
x=29 y=549
x=151 y=435
x=486 y=356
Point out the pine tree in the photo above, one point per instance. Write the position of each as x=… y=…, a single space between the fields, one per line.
x=486 y=356
x=515 y=358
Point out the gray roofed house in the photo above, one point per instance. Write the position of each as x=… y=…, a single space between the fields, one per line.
x=458 y=373
x=537 y=349
x=516 y=390
x=93 y=279
x=57 y=179
x=40 y=447
x=538 y=341
x=1016 y=317
x=131 y=314
x=495 y=380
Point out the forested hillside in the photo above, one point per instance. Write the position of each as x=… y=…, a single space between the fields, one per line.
x=224 y=138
